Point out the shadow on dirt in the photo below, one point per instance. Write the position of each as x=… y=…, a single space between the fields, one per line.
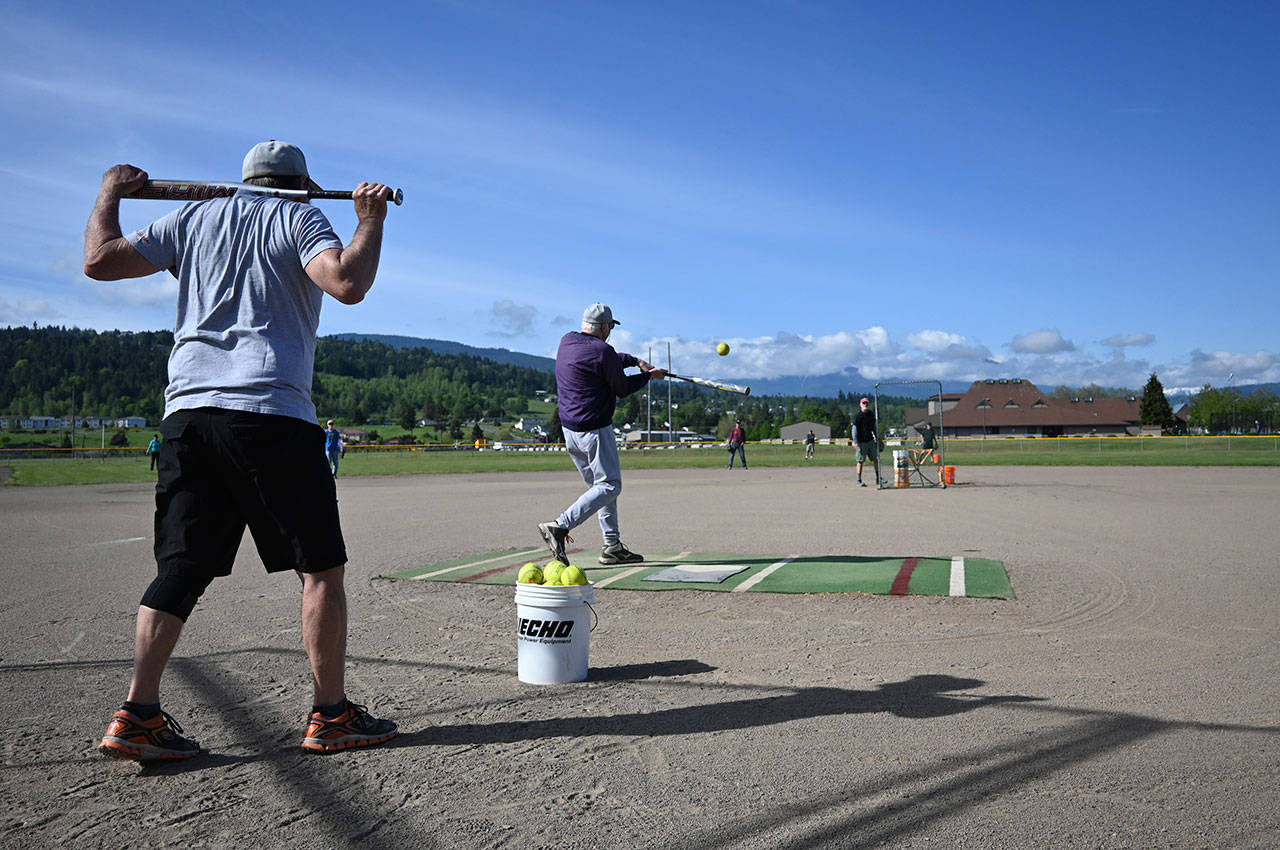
x=917 y=697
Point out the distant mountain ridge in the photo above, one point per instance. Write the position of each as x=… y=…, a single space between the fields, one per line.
x=830 y=386
x=814 y=386
x=443 y=346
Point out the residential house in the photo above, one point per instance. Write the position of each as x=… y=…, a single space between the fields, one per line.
x=1014 y=407
x=532 y=425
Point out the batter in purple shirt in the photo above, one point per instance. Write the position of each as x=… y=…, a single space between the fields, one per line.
x=589 y=381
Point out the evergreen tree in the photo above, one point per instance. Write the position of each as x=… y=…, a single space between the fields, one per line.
x=555 y=431
x=838 y=420
x=404 y=414
x=1155 y=409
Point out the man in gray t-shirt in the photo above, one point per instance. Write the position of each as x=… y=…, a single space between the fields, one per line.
x=247 y=311
x=240 y=444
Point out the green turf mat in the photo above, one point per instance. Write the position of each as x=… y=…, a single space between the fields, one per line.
x=874 y=574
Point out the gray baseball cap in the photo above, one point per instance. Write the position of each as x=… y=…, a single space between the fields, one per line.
x=276 y=159
x=599 y=314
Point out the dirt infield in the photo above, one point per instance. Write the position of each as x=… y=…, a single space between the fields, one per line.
x=1128 y=697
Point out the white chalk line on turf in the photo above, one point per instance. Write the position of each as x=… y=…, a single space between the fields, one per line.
x=758 y=577
x=957 y=576
x=611 y=579
x=470 y=564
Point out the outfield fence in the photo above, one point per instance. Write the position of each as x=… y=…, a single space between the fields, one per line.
x=971 y=449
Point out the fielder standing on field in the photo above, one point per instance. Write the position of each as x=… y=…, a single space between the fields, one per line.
x=240 y=441
x=589 y=382
x=333 y=448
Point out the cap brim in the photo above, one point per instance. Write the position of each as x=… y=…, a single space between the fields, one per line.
x=313 y=186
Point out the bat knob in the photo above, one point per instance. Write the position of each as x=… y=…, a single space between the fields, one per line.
x=398 y=197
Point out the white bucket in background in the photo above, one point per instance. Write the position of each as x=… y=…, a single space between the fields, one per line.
x=553 y=632
x=900 y=460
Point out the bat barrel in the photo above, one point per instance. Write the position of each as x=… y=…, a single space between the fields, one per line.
x=718 y=385
x=166 y=190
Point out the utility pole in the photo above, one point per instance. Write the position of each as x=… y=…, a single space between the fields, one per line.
x=648 y=405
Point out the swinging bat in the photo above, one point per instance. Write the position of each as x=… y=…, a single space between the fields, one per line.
x=715 y=385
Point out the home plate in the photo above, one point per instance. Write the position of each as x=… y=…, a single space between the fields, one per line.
x=710 y=573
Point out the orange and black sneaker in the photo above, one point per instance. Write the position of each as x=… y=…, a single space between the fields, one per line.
x=354 y=727
x=158 y=739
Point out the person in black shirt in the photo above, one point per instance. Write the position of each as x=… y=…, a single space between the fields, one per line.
x=864 y=434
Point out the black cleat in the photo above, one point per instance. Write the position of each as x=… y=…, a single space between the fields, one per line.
x=555 y=537
x=619 y=554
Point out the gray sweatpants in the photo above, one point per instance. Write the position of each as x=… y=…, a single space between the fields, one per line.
x=595 y=453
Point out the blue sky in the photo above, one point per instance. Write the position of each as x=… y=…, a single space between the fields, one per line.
x=1067 y=192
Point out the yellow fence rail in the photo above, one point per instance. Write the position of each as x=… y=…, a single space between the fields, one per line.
x=965 y=445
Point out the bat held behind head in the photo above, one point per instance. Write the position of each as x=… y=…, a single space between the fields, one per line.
x=203 y=190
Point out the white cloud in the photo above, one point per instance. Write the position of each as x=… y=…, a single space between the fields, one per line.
x=872 y=355
x=512 y=319
x=948 y=346
x=1043 y=341
x=24 y=311
x=935 y=340
x=1128 y=340
x=157 y=290
x=876 y=339
x=1217 y=366
x=784 y=353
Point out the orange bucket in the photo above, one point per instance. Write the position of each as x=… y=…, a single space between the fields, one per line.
x=948 y=475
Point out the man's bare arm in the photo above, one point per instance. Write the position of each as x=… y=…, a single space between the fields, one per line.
x=107 y=254
x=347 y=273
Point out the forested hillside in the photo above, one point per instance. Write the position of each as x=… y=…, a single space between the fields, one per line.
x=116 y=373
x=121 y=373
x=52 y=371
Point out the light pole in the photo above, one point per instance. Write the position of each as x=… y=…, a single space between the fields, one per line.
x=648 y=407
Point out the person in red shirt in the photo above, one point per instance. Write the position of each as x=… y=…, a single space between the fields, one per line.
x=737 y=443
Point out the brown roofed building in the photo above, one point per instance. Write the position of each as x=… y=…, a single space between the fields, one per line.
x=1013 y=407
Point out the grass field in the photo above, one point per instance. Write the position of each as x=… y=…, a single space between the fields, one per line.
x=1117 y=451
x=1106 y=451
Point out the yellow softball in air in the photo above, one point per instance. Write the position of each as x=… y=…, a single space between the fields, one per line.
x=722 y=349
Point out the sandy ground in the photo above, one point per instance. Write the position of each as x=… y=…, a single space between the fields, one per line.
x=1128 y=697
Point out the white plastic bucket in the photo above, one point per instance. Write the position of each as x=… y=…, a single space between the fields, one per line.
x=900 y=460
x=553 y=632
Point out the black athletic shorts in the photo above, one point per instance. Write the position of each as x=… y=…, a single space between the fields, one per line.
x=221 y=470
